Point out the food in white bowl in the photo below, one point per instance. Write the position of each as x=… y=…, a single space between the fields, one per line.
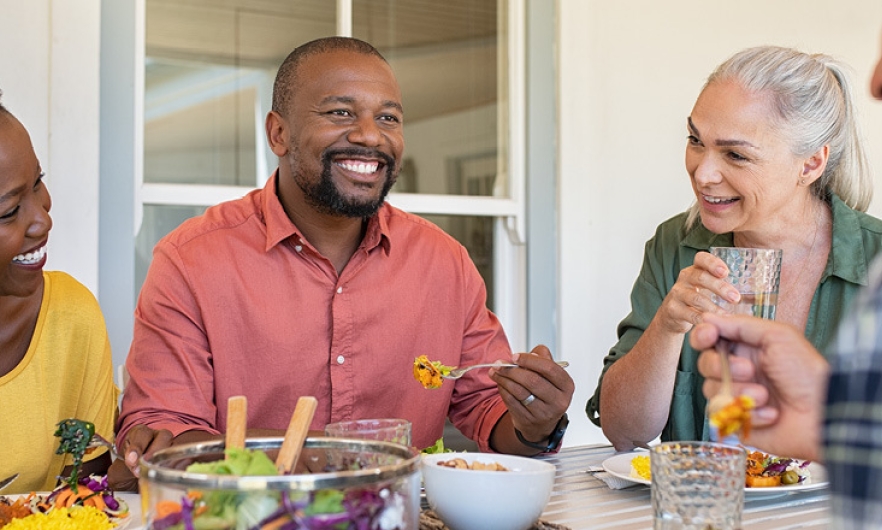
x=469 y=499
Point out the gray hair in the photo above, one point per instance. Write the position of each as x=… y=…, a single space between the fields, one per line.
x=814 y=106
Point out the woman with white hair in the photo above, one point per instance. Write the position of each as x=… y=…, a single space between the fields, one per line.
x=775 y=160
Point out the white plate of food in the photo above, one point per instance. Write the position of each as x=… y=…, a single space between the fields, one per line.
x=620 y=466
x=131 y=522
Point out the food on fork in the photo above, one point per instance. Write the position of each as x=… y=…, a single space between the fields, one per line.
x=430 y=373
x=74 y=437
x=80 y=502
x=733 y=418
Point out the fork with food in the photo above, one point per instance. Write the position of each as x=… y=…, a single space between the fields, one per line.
x=431 y=373
x=728 y=415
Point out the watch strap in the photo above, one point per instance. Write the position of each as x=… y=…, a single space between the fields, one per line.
x=554 y=440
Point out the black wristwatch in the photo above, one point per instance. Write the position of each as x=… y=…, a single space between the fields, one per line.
x=553 y=441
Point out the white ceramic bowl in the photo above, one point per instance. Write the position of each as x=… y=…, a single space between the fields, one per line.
x=468 y=499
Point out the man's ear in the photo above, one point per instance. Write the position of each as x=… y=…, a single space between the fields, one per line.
x=277 y=133
x=813 y=166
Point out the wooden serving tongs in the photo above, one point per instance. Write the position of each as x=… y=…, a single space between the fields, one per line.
x=292 y=445
x=298 y=428
x=237 y=420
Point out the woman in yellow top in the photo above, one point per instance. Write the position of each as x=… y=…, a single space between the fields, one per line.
x=55 y=358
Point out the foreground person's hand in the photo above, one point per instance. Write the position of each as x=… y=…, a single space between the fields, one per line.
x=776 y=366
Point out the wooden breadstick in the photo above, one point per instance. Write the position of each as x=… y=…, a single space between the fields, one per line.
x=237 y=420
x=296 y=434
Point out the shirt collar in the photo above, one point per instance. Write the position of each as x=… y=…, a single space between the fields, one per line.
x=377 y=233
x=701 y=238
x=279 y=226
x=847 y=260
x=848 y=257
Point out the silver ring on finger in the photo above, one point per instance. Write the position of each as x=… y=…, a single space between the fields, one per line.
x=527 y=400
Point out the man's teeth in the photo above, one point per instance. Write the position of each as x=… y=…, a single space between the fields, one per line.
x=31 y=257
x=360 y=167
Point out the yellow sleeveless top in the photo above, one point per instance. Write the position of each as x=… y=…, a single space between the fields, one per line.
x=67 y=372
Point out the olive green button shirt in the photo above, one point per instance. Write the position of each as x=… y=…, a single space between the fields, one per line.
x=857 y=238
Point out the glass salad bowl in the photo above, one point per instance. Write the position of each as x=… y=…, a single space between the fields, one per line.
x=339 y=483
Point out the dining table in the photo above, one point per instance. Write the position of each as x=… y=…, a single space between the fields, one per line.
x=580 y=500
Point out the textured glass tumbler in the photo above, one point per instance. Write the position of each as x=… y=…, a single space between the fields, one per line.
x=386 y=430
x=756 y=273
x=697 y=485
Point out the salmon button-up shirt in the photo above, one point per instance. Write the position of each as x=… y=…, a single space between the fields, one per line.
x=237 y=302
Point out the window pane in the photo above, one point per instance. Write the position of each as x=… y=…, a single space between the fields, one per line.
x=158 y=221
x=208 y=83
x=476 y=235
x=445 y=55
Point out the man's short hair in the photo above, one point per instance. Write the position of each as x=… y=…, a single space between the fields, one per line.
x=286 y=78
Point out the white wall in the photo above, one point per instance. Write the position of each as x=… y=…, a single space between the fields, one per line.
x=630 y=72
x=49 y=78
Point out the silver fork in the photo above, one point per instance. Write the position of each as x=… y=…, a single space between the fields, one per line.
x=99 y=441
x=724 y=395
x=456 y=373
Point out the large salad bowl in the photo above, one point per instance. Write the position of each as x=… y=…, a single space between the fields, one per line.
x=347 y=483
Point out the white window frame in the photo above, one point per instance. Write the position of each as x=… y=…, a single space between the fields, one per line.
x=509 y=212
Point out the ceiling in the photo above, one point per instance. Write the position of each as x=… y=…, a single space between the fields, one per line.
x=444 y=53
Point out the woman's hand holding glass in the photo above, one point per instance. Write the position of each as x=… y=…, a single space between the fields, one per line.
x=692 y=294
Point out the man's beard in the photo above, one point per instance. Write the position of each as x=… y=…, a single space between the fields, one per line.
x=324 y=195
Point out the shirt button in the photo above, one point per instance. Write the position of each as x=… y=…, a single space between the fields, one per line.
x=298 y=248
x=340 y=359
x=339 y=290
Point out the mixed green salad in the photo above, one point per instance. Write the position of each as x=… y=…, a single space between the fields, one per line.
x=362 y=508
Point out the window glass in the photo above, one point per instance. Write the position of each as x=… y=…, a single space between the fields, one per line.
x=476 y=235
x=445 y=57
x=158 y=221
x=209 y=69
x=208 y=80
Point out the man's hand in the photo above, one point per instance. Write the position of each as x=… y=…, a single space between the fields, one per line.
x=140 y=440
x=144 y=441
x=776 y=366
x=551 y=388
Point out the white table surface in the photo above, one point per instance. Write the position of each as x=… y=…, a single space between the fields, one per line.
x=582 y=501
x=133 y=521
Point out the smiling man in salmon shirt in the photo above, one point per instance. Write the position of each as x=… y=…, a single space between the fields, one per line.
x=314 y=286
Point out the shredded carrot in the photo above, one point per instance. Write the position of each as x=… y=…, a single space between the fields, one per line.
x=62 y=498
x=165 y=508
x=95 y=500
